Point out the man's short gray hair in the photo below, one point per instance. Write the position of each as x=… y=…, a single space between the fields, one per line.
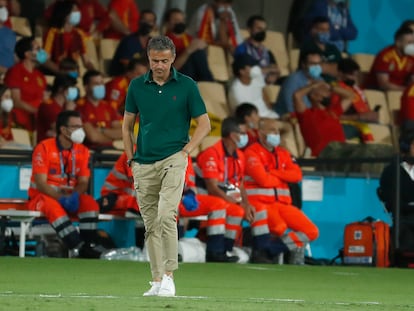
x=161 y=43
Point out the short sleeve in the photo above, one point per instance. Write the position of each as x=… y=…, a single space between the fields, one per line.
x=12 y=79
x=196 y=103
x=208 y=163
x=40 y=161
x=130 y=102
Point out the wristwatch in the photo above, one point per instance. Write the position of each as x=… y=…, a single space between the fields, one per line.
x=129 y=162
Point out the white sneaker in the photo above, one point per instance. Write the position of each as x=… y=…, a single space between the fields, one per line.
x=153 y=291
x=167 y=288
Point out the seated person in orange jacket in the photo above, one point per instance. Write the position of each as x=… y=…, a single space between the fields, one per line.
x=222 y=170
x=118 y=192
x=269 y=169
x=59 y=182
x=194 y=204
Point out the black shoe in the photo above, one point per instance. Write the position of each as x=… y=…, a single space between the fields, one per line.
x=260 y=256
x=220 y=257
x=90 y=250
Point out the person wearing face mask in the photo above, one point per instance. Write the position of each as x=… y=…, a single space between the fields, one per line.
x=248 y=85
x=63 y=97
x=216 y=24
x=387 y=193
x=248 y=114
x=27 y=83
x=342 y=28
x=309 y=71
x=191 y=52
x=59 y=181
x=133 y=45
x=64 y=38
x=253 y=46
x=393 y=67
x=355 y=116
x=269 y=170
x=124 y=15
x=7 y=40
x=102 y=123
x=222 y=171
x=319 y=41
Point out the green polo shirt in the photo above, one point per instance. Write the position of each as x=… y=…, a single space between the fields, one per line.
x=165 y=114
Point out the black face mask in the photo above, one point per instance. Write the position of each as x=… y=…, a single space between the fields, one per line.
x=349 y=82
x=144 y=29
x=259 y=36
x=326 y=101
x=179 y=28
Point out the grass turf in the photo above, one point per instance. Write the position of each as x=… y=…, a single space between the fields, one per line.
x=95 y=285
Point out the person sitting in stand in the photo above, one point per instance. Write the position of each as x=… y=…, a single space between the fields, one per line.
x=64 y=94
x=124 y=15
x=191 y=58
x=216 y=24
x=102 y=123
x=253 y=45
x=247 y=113
x=133 y=45
x=116 y=89
x=7 y=40
x=59 y=181
x=393 y=67
x=64 y=39
x=27 y=83
x=6 y=104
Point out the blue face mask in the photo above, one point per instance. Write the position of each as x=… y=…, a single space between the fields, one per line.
x=98 y=91
x=75 y=18
x=315 y=71
x=273 y=139
x=72 y=93
x=323 y=37
x=244 y=139
x=73 y=74
x=41 y=56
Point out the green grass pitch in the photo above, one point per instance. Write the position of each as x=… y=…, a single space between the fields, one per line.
x=96 y=285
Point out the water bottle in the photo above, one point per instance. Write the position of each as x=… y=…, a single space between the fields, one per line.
x=132 y=253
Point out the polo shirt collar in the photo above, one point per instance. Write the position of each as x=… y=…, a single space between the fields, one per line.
x=173 y=76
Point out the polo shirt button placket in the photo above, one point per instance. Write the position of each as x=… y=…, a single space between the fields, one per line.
x=159 y=91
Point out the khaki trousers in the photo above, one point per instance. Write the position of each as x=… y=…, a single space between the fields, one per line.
x=159 y=188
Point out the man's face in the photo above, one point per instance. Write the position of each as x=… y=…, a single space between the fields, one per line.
x=404 y=41
x=253 y=120
x=160 y=63
x=321 y=28
x=313 y=59
x=258 y=26
x=175 y=18
x=74 y=123
x=94 y=81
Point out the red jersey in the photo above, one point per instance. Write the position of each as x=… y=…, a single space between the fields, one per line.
x=32 y=86
x=399 y=67
x=91 y=11
x=46 y=117
x=319 y=127
x=407 y=104
x=116 y=90
x=214 y=162
x=359 y=103
x=181 y=41
x=128 y=13
x=268 y=173
x=63 y=167
x=60 y=44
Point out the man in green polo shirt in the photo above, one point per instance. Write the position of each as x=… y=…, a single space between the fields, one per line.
x=165 y=102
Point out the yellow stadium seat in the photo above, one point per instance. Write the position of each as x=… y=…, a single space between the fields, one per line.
x=91 y=52
x=394 y=104
x=107 y=48
x=209 y=141
x=375 y=98
x=381 y=133
x=21 y=136
x=288 y=139
x=214 y=96
x=271 y=92
x=216 y=58
x=21 y=26
x=275 y=42
x=294 y=59
x=364 y=60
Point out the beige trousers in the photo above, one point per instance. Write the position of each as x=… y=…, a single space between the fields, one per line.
x=159 y=188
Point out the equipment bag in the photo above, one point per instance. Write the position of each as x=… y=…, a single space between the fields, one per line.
x=367 y=242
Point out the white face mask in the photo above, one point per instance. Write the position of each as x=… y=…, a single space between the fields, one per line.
x=409 y=49
x=7 y=104
x=78 y=136
x=4 y=14
x=255 y=72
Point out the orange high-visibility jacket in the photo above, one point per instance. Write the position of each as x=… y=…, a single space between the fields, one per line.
x=268 y=173
x=119 y=179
